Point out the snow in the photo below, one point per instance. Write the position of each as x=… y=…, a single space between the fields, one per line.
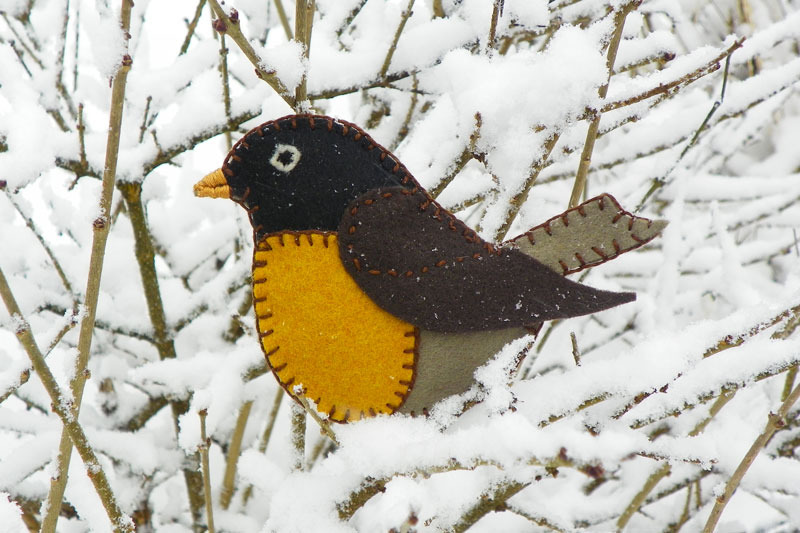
x=583 y=440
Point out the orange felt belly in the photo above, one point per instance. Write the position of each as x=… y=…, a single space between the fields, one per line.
x=320 y=331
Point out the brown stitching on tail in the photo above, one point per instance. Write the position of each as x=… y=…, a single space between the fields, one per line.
x=276 y=124
x=386 y=195
x=243 y=143
x=441 y=263
x=325 y=240
x=408 y=367
x=228 y=172
x=293 y=122
x=357 y=136
x=424 y=269
x=382 y=157
x=345 y=130
x=351 y=230
x=599 y=252
x=409 y=334
x=259 y=281
x=236 y=157
x=330 y=124
x=617 y=217
x=354 y=210
x=288 y=382
x=262 y=334
x=392 y=272
x=357 y=264
x=637 y=239
x=264 y=316
x=372 y=412
x=297 y=239
x=565 y=219
x=310 y=239
x=369 y=202
x=333 y=410
x=257 y=229
x=579 y=257
x=547 y=228
x=280 y=239
x=259 y=264
x=409 y=273
x=278 y=368
x=564 y=266
x=260 y=132
x=581 y=211
x=630 y=224
x=374 y=272
x=311 y=123
x=396 y=167
x=616 y=246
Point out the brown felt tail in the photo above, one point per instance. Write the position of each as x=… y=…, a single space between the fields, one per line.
x=588 y=235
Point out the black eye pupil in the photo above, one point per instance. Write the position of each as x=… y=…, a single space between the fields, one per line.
x=285 y=158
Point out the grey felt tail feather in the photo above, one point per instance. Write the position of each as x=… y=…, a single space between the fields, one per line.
x=588 y=235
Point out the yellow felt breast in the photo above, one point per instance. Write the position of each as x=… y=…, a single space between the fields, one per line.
x=321 y=332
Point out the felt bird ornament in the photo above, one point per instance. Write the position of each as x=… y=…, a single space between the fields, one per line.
x=369 y=296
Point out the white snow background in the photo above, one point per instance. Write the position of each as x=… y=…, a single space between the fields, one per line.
x=684 y=378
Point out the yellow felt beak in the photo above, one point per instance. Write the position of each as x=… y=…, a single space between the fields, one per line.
x=214 y=185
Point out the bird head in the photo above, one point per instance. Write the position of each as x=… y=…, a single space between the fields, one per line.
x=300 y=172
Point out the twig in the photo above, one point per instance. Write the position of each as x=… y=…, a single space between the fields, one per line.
x=324 y=425
x=350 y=17
x=145 y=258
x=198 y=11
x=56 y=264
x=775 y=421
x=234 y=450
x=403 y=19
x=661 y=181
x=494 y=501
x=515 y=203
x=402 y=133
x=231 y=27
x=143 y=127
x=497 y=12
x=265 y=437
x=466 y=156
x=298 y=435
x=287 y=29
x=226 y=90
x=101 y=226
x=591 y=135
x=576 y=353
x=77 y=47
x=303 y=21
x=206 y=442
x=665 y=469
x=59 y=63
x=67 y=412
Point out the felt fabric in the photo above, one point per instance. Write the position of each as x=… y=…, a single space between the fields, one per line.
x=320 y=332
x=419 y=263
x=447 y=363
x=588 y=235
x=299 y=172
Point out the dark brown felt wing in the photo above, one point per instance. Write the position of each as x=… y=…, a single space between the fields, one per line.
x=420 y=263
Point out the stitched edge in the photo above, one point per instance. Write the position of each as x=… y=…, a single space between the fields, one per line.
x=580 y=209
x=296 y=237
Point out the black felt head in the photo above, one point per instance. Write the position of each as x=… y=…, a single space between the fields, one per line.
x=301 y=171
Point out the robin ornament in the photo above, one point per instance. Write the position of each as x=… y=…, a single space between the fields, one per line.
x=372 y=298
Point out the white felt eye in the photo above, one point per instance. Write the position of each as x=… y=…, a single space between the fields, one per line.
x=285 y=157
